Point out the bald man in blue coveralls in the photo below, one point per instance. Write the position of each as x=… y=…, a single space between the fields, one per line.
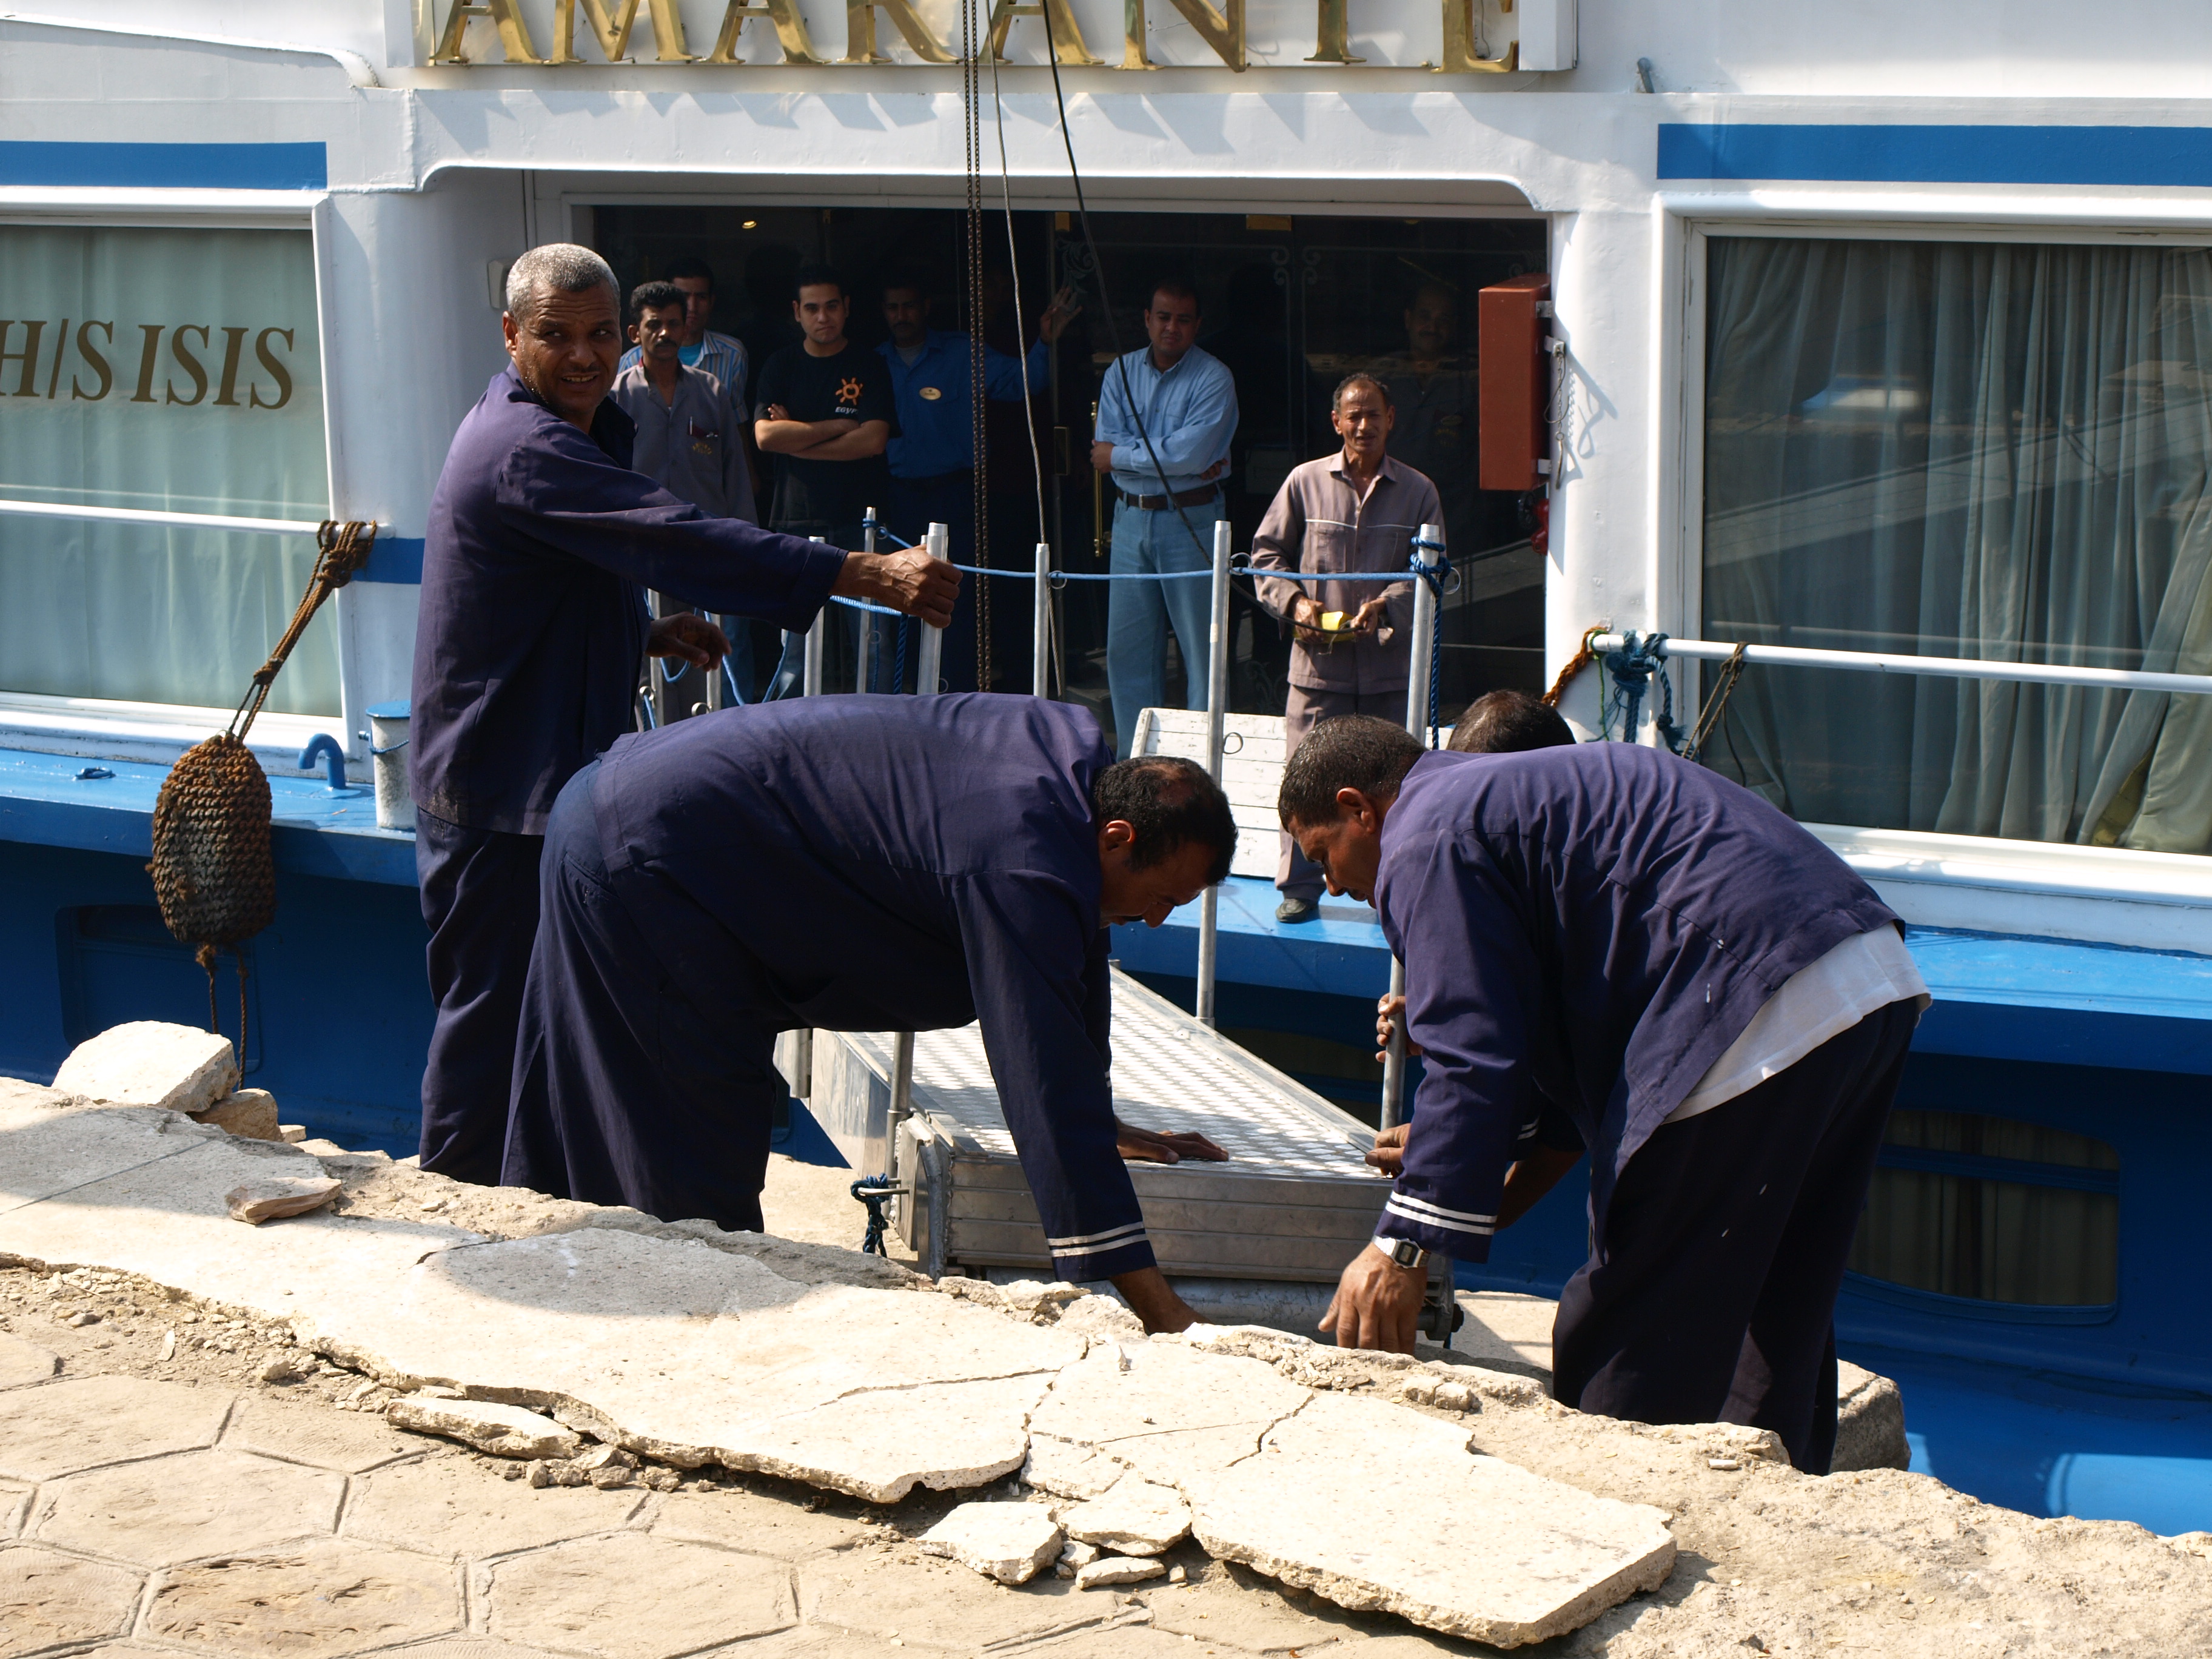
x=540 y=545
x=852 y=863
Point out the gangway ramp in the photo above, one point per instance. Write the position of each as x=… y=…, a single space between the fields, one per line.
x=1294 y=1204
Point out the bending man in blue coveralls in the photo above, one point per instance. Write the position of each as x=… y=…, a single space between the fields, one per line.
x=852 y=863
x=1720 y=1006
x=533 y=630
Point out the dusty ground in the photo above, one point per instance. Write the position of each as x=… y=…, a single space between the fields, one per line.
x=312 y=1528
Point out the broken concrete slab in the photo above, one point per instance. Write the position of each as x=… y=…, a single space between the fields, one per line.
x=249 y=1114
x=502 y=1430
x=149 y=1062
x=1173 y=1412
x=277 y=1197
x=692 y=1346
x=1135 y=1517
x=1396 y=1515
x=55 y=1144
x=1010 y=1542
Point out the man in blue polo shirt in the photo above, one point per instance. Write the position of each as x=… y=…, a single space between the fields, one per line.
x=1716 y=1001
x=932 y=459
x=1166 y=413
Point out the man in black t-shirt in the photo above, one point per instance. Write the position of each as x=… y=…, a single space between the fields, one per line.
x=826 y=411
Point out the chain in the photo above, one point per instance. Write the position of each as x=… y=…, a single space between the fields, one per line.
x=972 y=40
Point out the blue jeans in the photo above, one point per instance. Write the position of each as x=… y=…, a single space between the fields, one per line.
x=1137 y=613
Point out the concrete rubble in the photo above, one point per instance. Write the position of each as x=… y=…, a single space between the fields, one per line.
x=276 y=1197
x=1009 y=1542
x=250 y=1114
x=678 y=1355
x=1110 y=1569
x=149 y=1062
x=502 y=1430
x=1133 y=1516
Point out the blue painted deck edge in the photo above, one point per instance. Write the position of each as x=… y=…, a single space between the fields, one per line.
x=1906 y=153
x=44 y=803
x=164 y=166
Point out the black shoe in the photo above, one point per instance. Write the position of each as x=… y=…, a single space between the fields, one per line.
x=1296 y=909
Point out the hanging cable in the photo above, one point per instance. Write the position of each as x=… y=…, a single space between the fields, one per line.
x=1014 y=263
x=1105 y=305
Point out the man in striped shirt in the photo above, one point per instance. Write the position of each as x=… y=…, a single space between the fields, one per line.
x=1356 y=510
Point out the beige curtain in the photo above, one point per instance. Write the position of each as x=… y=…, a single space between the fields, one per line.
x=173 y=369
x=1984 y=450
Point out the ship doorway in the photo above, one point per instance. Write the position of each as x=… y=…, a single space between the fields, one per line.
x=1291 y=303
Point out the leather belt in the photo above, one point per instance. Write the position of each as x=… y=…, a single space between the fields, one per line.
x=1197 y=497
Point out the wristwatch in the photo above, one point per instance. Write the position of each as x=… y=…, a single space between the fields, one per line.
x=1403 y=1251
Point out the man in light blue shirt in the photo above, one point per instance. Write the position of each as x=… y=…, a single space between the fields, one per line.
x=1167 y=496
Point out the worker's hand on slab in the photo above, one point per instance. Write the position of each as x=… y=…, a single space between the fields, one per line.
x=1153 y=1300
x=1388 y=1011
x=911 y=582
x=1154 y=1146
x=696 y=640
x=1377 y=1303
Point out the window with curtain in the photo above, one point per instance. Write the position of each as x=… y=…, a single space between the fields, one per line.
x=1989 y=450
x=1994 y=1210
x=173 y=369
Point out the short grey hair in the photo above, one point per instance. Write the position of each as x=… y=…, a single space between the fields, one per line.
x=1360 y=379
x=562 y=267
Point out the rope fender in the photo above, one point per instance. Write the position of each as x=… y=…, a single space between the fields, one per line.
x=213 y=873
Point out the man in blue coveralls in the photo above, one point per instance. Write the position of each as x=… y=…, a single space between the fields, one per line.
x=540 y=544
x=1716 y=1000
x=854 y=863
x=1165 y=416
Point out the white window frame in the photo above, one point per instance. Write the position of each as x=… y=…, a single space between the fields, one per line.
x=108 y=730
x=2158 y=901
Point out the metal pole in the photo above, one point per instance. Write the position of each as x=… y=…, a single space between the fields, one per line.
x=901 y=1095
x=866 y=631
x=809 y=680
x=929 y=659
x=1217 y=714
x=1040 y=620
x=1417 y=721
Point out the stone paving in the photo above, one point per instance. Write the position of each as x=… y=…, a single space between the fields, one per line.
x=183 y=1472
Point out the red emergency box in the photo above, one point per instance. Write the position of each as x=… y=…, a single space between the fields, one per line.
x=1512 y=320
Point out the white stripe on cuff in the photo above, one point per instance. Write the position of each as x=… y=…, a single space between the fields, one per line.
x=1091 y=1241
x=1438 y=1210
x=1481 y=1228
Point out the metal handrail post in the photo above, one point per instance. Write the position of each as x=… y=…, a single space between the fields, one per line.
x=929 y=657
x=1422 y=657
x=1041 y=622
x=1217 y=717
x=866 y=631
x=810 y=679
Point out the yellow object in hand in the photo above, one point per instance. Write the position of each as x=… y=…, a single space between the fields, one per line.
x=1332 y=622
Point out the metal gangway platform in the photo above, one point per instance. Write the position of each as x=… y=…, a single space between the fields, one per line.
x=1294 y=1204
